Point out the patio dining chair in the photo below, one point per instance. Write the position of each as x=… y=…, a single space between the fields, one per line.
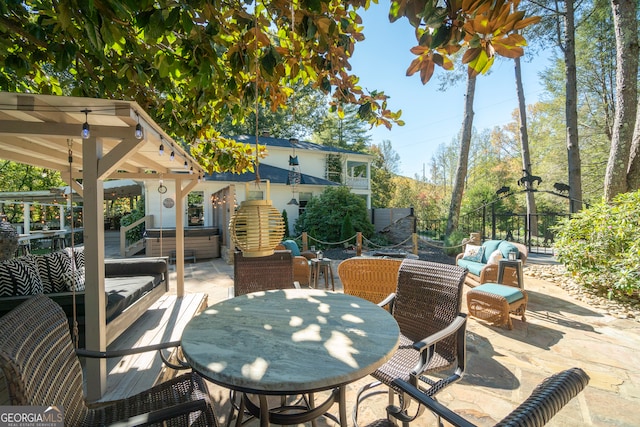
x=546 y=400
x=41 y=368
x=253 y=274
x=426 y=306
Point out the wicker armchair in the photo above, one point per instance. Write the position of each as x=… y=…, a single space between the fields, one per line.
x=432 y=330
x=41 y=368
x=546 y=400
x=373 y=279
x=253 y=274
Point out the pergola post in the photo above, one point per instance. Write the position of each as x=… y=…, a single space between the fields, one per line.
x=93 y=224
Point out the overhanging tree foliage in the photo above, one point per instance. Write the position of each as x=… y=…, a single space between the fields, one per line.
x=190 y=64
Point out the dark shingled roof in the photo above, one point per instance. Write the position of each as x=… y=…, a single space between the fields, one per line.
x=274 y=174
x=284 y=143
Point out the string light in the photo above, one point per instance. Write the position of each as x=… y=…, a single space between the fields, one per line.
x=186 y=165
x=191 y=170
x=161 y=148
x=139 y=133
x=172 y=157
x=86 y=130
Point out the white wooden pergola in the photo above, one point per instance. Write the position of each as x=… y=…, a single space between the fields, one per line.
x=44 y=130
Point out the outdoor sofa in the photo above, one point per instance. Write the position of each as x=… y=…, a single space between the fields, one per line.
x=131 y=286
x=483 y=264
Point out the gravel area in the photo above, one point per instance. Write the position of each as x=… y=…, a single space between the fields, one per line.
x=557 y=274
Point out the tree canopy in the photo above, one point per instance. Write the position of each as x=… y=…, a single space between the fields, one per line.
x=192 y=64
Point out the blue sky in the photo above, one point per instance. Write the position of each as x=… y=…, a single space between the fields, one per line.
x=432 y=117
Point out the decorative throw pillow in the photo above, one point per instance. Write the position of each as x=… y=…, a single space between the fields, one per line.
x=77 y=254
x=494 y=257
x=52 y=268
x=19 y=277
x=473 y=253
x=74 y=280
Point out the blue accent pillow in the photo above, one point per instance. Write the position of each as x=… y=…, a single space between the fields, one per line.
x=506 y=248
x=292 y=246
x=489 y=247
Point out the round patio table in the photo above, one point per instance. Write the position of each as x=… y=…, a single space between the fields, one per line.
x=290 y=342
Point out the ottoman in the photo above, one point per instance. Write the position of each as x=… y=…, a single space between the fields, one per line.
x=494 y=303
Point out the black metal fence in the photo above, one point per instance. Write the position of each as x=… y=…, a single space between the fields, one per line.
x=532 y=230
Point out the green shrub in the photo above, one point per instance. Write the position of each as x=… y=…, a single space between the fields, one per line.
x=285 y=218
x=452 y=243
x=347 y=231
x=600 y=245
x=324 y=215
x=136 y=233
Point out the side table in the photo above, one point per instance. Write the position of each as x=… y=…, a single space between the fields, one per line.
x=322 y=265
x=515 y=264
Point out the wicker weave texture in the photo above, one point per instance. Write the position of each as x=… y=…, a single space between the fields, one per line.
x=39 y=362
x=495 y=308
x=256 y=274
x=301 y=270
x=428 y=299
x=372 y=279
x=547 y=399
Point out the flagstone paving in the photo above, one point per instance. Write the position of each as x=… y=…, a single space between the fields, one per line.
x=504 y=366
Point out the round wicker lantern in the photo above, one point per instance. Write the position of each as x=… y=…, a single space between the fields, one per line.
x=257 y=227
x=8 y=241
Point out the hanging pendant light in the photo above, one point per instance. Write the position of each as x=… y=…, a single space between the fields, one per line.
x=257 y=227
x=86 y=130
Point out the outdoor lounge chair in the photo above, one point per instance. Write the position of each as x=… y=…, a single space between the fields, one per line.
x=426 y=306
x=41 y=368
x=546 y=400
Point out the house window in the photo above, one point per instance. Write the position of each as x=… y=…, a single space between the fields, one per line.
x=255 y=195
x=195 y=209
x=304 y=198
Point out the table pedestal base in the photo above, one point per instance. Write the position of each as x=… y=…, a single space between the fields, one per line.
x=295 y=413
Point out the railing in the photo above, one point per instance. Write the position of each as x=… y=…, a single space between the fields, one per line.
x=508 y=226
x=357 y=182
x=129 y=248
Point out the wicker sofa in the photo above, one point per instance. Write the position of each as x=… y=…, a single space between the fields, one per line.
x=131 y=286
x=484 y=272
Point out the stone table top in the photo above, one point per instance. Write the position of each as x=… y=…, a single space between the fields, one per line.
x=289 y=341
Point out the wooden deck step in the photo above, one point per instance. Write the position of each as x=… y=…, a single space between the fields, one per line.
x=163 y=322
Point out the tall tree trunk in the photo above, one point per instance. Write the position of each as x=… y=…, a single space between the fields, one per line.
x=463 y=159
x=526 y=157
x=633 y=175
x=626 y=28
x=571 y=110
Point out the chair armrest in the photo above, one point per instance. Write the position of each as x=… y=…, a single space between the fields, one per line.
x=431 y=340
x=459 y=257
x=388 y=300
x=93 y=354
x=427 y=347
x=489 y=274
x=431 y=404
x=163 y=414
